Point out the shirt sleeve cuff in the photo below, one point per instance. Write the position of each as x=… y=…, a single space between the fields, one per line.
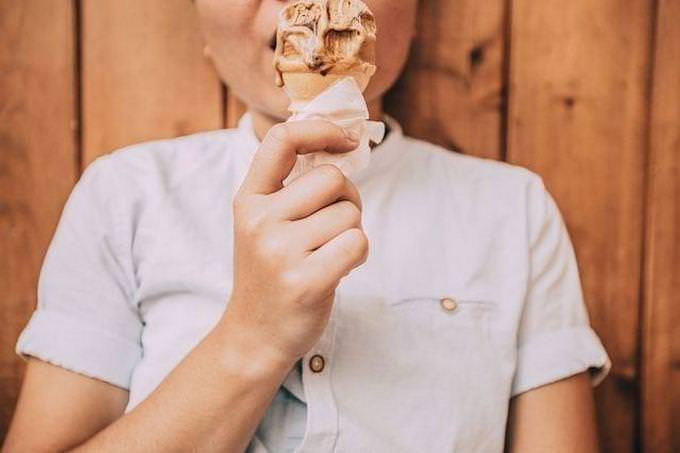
x=60 y=340
x=557 y=355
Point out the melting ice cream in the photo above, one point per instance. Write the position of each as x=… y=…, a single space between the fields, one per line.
x=325 y=37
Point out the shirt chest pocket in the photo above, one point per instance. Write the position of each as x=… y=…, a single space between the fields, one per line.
x=447 y=357
x=450 y=339
x=446 y=317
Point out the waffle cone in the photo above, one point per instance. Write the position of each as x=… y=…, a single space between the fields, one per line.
x=302 y=87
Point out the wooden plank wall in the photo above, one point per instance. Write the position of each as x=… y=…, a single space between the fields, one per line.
x=577 y=115
x=38 y=159
x=453 y=94
x=143 y=74
x=661 y=334
x=585 y=93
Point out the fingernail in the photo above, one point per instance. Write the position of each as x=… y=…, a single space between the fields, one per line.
x=352 y=135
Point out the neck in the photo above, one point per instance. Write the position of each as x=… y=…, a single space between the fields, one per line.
x=262 y=122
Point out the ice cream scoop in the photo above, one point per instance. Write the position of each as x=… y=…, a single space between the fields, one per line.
x=319 y=42
x=324 y=59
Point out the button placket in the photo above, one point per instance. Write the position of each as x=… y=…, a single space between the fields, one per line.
x=322 y=413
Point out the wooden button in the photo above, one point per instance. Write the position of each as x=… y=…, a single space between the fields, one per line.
x=317 y=363
x=448 y=303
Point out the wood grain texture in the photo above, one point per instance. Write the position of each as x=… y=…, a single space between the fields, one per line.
x=661 y=327
x=452 y=90
x=144 y=74
x=38 y=157
x=577 y=116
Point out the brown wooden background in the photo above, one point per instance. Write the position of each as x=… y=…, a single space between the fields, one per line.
x=585 y=92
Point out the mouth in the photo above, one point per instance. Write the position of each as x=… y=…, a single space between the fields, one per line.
x=272 y=42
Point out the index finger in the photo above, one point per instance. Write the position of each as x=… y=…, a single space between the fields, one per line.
x=278 y=152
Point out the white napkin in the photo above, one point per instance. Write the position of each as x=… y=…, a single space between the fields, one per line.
x=343 y=104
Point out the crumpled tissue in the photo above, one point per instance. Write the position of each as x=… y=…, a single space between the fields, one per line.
x=343 y=104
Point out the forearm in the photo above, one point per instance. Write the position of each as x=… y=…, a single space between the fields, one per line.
x=212 y=401
x=558 y=417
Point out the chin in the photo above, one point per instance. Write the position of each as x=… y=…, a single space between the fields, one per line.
x=264 y=98
x=274 y=107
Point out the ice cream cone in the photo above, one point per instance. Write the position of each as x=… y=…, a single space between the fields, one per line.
x=302 y=87
x=319 y=42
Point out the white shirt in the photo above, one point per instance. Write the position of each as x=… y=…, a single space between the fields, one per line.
x=470 y=294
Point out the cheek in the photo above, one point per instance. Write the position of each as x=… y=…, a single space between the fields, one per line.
x=226 y=32
x=226 y=23
x=392 y=49
x=238 y=33
x=396 y=26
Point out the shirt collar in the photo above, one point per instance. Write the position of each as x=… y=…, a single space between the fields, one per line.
x=382 y=155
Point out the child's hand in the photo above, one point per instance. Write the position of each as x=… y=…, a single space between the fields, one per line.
x=293 y=244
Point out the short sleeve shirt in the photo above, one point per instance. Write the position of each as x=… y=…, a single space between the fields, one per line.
x=470 y=294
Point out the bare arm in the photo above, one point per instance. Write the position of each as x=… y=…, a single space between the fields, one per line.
x=58 y=409
x=559 y=418
x=194 y=407
x=212 y=401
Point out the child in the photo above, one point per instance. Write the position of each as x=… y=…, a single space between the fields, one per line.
x=189 y=300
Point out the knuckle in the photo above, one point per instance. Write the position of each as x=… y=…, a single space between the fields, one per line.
x=291 y=279
x=354 y=193
x=280 y=133
x=356 y=245
x=365 y=251
x=238 y=204
x=351 y=212
x=251 y=223
x=333 y=175
x=272 y=246
x=293 y=283
x=361 y=241
x=251 y=214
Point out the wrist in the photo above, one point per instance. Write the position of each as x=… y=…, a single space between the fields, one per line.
x=245 y=351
